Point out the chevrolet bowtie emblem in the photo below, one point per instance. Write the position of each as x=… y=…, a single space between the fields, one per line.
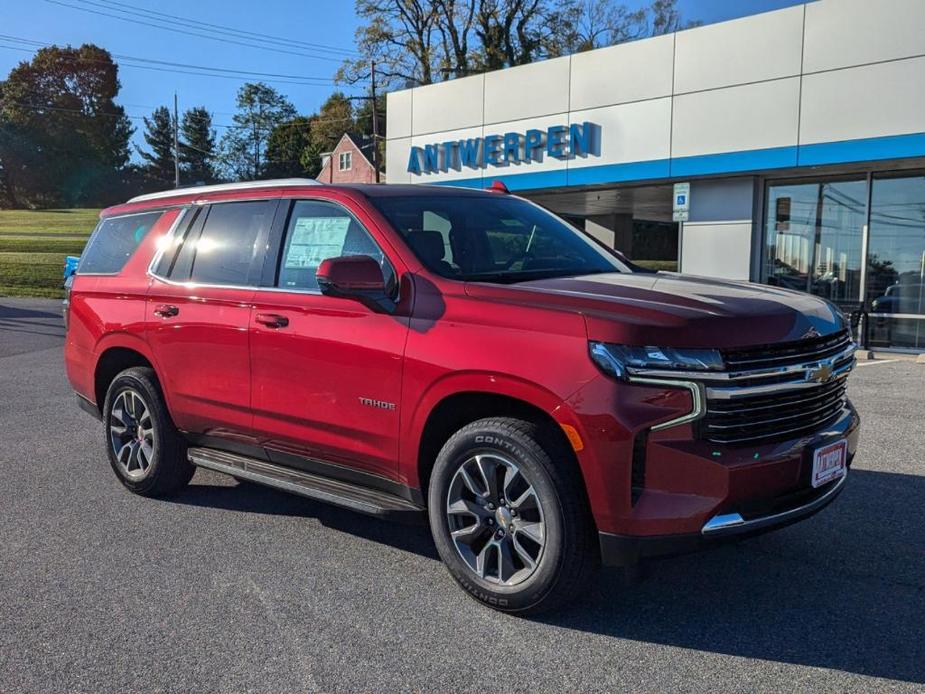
x=821 y=374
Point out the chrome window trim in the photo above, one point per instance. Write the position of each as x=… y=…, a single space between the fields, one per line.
x=697 y=404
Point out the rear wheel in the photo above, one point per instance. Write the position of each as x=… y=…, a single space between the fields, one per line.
x=509 y=517
x=145 y=449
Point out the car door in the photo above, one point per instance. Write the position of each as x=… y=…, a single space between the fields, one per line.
x=198 y=312
x=326 y=371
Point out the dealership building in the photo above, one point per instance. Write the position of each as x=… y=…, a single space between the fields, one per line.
x=786 y=148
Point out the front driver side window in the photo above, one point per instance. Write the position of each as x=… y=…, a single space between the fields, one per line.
x=319 y=230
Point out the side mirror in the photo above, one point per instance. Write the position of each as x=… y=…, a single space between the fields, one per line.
x=357 y=277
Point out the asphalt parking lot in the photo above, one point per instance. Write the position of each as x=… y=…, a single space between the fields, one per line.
x=228 y=588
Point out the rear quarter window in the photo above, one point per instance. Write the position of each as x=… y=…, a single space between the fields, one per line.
x=114 y=241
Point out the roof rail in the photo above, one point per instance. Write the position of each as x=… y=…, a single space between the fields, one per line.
x=221 y=187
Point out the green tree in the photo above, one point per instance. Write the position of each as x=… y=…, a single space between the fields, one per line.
x=363 y=123
x=260 y=109
x=63 y=140
x=334 y=118
x=291 y=150
x=197 y=146
x=159 y=161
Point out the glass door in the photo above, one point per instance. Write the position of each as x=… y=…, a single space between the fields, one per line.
x=896 y=262
x=814 y=236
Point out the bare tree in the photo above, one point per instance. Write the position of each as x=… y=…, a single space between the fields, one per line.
x=398 y=35
x=424 y=41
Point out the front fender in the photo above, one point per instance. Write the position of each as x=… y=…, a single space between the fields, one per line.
x=492 y=383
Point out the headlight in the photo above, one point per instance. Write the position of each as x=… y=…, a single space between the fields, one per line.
x=616 y=359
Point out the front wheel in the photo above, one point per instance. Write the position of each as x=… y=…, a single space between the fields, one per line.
x=509 y=516
x=145 y=449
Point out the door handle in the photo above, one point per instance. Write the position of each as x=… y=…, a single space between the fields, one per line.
x=166 y=311
x=272 y=320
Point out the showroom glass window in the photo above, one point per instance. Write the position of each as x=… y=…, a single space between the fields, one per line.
x=813 y=237
x=896 y=262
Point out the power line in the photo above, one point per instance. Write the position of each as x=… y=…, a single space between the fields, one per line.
x=282 y=126
x=190 y=69
x=221 y=28
x=193 y=33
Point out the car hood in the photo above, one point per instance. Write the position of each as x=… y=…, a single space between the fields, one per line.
x=672 y=310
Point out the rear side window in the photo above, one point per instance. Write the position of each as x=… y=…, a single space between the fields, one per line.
x=226 y=247
x=220 y=244
x=114 y=242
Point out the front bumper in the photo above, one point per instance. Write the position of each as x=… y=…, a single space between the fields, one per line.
x=622 y=550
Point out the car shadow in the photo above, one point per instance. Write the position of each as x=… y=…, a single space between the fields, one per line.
x=255 y=498
x=844 y=590
x=8 y=312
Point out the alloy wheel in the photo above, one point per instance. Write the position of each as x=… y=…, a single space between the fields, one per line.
x=131 y=434
x=496 y=519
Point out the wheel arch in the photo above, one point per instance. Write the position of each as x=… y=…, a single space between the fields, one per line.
x=115 y=357
x=463 y=399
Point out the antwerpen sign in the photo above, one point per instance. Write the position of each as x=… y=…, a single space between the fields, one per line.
x=556 y=141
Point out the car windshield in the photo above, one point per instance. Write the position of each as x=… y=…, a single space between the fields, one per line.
x=494 y=238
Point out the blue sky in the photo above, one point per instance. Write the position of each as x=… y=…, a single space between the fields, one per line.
x=329 y=22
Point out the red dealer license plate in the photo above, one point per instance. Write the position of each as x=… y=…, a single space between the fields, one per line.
x=830 y=462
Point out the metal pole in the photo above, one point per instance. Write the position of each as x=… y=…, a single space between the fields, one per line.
x=176 y=144
x=372 y=76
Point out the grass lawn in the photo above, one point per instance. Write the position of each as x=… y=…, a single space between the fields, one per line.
x=77 y=222
x=33 y=244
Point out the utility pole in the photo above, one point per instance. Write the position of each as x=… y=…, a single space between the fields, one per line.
x=372 y=76
x=176 y=144
x=257 y=141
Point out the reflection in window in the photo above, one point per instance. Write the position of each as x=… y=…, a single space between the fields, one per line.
x=813 y=237
x=896 y=262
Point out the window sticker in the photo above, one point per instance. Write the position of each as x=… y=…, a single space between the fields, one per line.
x=314 y=239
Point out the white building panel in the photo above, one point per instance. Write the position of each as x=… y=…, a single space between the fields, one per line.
x=619 y=74
x=843 y=33
x=537 y=89
x=447 y=105
x=455 y=173
x=717 y=249
x=639 y=131
x=748 y=117
x=396 y=159
x=398 y=108
x=752 y=49
x=862 y=102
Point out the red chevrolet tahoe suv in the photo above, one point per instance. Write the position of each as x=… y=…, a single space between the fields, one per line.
x=459 y=355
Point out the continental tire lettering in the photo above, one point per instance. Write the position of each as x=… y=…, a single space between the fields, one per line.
x=484 y=597
x=501 y=443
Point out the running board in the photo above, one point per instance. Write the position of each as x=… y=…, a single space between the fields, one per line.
x=355 y=497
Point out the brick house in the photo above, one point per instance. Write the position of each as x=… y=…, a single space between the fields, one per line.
x=349 y=162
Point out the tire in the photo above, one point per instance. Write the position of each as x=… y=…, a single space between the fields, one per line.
x=520 y=456
x=145 y=450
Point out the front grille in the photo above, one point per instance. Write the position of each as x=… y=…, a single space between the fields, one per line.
x=786 y=353
x=770 y=394
x=783 y=414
